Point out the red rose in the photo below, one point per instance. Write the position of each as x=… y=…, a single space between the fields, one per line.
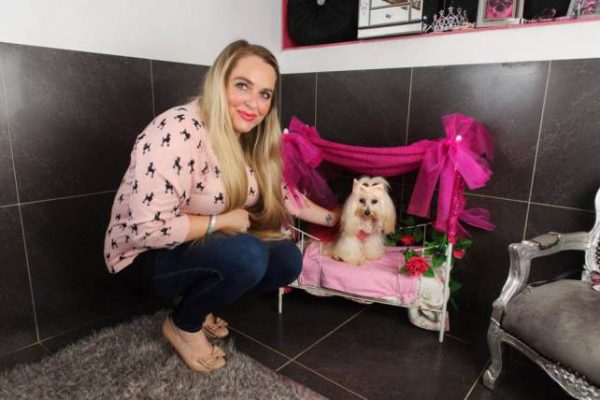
x=417 y=265
x=458 y=253
x=407 y=240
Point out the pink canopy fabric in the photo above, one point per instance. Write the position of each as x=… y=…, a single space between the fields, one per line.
x=462 y=156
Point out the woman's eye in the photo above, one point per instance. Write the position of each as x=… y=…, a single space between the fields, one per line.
x=266 y=95
x=241 y=85
x=374 y=201
x=361 y=201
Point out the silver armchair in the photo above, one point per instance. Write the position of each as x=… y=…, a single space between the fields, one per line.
x=555 y=324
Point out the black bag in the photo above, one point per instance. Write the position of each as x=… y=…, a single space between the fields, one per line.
x=311 y=23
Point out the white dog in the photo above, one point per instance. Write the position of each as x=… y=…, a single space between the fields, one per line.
x=368 y=215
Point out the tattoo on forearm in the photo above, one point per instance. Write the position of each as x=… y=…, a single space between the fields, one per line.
x=328 y=219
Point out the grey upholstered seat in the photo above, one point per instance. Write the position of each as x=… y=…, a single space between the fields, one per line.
x=553 y=320
x=556 y=324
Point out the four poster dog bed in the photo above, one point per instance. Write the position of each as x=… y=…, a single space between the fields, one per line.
x=448 y=164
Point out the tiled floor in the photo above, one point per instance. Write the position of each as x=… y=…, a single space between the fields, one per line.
x=346 y=350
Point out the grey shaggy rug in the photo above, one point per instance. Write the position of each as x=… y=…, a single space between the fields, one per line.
x=133 y=361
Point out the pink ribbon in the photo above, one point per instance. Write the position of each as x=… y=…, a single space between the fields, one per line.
x=300 y=161
x=462 y=155
x=464 y=151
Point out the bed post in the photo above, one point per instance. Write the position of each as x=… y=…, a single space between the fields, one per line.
x=280 y=304
x=446 y=290
x=456 y=206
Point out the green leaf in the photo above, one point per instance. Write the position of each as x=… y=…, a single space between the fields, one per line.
x=409 y=253
x=436 y=235
x=464 y=244
x=454 y=286
x=429 y=273
x=410 y=221
x=395 y=236
x=428 y=251
x=418 y=235
x=437 y=261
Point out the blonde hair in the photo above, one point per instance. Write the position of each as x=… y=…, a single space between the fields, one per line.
x=260 y=148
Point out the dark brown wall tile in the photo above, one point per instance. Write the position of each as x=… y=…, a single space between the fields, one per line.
x=175 y=83
x=367 y=108
x=73 y=118
x=567 y=173
x=71 y=284
x=298 y=98
x=8 y=193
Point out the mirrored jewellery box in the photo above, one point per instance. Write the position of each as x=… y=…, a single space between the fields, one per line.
x=389 y=17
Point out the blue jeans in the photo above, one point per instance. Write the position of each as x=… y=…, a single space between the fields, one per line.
x=214 y=273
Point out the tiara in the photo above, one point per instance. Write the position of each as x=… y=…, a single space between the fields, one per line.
x=449 y=21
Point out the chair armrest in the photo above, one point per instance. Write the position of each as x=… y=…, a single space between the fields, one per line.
x=521 y=255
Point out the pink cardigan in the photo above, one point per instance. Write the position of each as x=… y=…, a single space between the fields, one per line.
x=173 y=172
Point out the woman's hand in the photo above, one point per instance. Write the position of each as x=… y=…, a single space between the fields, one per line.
x=234 y=221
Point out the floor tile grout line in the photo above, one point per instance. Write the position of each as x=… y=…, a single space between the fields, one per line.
x=329 y=379
x=47 y=350
x=19 y=349
x=537 y=149
x=40 y=341
x=259 y=342
x=324 y=337
x=12 y=156
x=477 y=380
x=459 y=339
x=92 y=324
x=296 y=362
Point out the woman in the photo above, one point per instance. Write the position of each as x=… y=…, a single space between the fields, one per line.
x=199 y=213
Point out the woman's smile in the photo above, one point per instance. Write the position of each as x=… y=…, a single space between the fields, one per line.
x=247 y=116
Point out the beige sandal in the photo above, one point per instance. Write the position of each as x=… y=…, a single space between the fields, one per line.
x=216 y=329
x=212 y=361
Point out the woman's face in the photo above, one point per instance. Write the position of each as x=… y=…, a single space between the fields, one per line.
x=250 y=89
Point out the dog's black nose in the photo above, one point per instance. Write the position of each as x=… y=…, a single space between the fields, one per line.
x=367 y=212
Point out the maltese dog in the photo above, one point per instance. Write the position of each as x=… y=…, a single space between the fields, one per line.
x=368 y=215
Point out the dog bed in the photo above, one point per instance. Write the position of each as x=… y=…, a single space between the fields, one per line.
x=378 y=278
x=374 y=281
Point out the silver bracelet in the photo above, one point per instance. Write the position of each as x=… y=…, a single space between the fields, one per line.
x=212 y=222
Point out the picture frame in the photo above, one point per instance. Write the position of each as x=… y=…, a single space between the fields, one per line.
x=582 y=8
x=499 y=12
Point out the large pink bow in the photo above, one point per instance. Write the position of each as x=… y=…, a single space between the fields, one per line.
x=462 y=155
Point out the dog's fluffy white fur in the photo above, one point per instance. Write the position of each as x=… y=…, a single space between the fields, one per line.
x=368 y=215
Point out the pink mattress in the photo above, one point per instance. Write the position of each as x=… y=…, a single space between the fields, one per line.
x=378 y=279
